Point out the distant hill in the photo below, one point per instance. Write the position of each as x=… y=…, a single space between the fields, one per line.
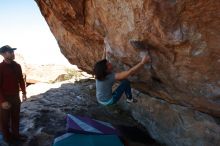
x=46 y=73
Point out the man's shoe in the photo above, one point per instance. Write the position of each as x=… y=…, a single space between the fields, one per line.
x=132 y=100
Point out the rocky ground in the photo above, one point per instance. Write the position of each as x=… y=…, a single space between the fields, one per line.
x=43 y=114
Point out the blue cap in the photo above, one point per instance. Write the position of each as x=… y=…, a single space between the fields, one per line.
x=6 y=48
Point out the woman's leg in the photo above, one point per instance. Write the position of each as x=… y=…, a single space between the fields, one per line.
x=123 y=87
x=128 y=90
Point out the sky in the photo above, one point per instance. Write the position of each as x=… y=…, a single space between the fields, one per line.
x=23 y=27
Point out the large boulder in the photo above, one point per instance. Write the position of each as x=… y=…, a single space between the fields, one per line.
x=183 y=37
x=174 y=125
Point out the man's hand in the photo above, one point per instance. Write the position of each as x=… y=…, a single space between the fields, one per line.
x=24 y=97
x=6 y=105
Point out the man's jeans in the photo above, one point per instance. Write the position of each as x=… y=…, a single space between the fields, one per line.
x=9 y=119
x=123 y=87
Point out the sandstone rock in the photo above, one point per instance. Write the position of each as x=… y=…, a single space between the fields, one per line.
x=43 y=114
x=184 y=45
x=184 y=35
x=174 y=125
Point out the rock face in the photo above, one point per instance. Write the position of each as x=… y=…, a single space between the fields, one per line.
x=183 y=37
x=174 y=125
x=43 y=114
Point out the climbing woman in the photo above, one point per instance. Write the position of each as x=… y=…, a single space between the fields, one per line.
x=105 y=78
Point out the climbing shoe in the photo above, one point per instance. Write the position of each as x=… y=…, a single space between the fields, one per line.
x=133 y=100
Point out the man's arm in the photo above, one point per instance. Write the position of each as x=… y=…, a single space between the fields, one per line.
x=125 y=74
x=1 y=96
x=3 y=103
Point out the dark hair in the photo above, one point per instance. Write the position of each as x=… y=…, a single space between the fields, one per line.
x=100 y=69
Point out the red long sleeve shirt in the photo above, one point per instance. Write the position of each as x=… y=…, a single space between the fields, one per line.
x=11 y=80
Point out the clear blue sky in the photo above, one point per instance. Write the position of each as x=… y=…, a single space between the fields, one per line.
x=22 y=26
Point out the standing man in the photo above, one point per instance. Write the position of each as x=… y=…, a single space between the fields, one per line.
x=11 y=80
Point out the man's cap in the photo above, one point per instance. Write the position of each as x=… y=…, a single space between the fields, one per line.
x=6 y=48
